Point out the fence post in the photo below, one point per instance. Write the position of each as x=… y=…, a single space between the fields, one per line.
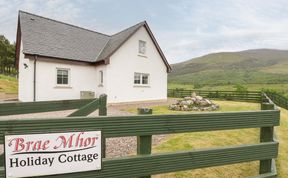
x=103 y=112
x=103 y=105
x=266 y=135
x=144 y=143
x=2 y=158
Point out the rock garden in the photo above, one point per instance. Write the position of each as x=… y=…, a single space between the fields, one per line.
x=194 y=103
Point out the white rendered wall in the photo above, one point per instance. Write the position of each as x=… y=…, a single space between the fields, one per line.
x=101 y=88
x=25 y=78
x=126 y=61
x=81 y=78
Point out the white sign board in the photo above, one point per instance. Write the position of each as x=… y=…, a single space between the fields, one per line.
x=55 y=153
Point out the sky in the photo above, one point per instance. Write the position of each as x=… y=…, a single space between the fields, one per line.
x=184 y=29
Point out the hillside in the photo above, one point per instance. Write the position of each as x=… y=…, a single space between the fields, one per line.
x=260 y=66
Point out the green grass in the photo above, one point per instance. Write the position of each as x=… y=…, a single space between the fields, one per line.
x=188 y=141
x=224 y=106
x=8 y=84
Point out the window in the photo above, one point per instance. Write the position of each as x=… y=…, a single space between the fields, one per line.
x=137 y=78
x=101 y=77
x=145 y=79
x=141 y=79
x=62 y=76
x=142 y=47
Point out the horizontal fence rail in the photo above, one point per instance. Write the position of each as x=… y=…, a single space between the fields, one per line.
x=170 y=162
x=41 y=106
x=145 y=125
x=85 y=106
x=252 y=96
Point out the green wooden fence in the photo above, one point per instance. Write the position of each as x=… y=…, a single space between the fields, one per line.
x=278 y=99
x=147 y=125
x=16 y=108
x=252 y=96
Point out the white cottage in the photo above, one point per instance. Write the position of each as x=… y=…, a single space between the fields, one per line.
x=58 y=61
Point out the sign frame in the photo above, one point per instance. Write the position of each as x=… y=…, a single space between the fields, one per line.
x=57 y=132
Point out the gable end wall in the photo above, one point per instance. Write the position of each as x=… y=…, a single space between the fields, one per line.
x=126 y=61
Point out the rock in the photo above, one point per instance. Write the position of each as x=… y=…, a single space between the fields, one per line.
x=190 y=102
x=187 y=98
x=197 y=102
x=173 y=107
x=194 y=108
x=199 y=97
x=204 y=103
x=193 y=95
x=184 y=103
x=185 y=107
x=208 y=101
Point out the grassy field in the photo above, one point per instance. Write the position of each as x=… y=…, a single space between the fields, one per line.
x=8 y=84
x=188 y=141
x=281 y=88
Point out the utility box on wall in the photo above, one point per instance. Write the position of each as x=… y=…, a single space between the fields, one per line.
x=87 y=94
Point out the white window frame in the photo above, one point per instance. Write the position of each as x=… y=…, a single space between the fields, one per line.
x=139 y=48
x=69 y=74
x=141 y=79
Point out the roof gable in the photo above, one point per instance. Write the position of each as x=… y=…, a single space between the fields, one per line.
x=117 y=40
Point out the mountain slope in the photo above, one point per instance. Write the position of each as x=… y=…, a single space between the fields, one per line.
x=250 y=66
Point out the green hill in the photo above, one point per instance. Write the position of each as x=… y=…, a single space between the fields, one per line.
x=260 y=66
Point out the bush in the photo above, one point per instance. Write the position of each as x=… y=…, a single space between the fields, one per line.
x=240 y=88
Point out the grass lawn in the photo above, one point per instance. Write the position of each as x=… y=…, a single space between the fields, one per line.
x=188 y=141
x=8 y=84
x=224 y=106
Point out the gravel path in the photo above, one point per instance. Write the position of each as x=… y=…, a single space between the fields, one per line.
x=115 y=147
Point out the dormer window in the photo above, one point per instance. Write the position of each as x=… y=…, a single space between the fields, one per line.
x=142 y=47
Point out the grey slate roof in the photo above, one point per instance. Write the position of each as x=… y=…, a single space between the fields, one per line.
x=47 y=37
x=117 y=40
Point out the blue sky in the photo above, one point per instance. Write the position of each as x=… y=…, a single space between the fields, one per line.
x=183 y=28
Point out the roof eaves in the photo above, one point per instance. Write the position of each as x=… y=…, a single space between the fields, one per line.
x=56 y=57
x=158 y=47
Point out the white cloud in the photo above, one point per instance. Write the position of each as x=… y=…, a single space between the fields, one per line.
x=184 y=28
x=227 y=25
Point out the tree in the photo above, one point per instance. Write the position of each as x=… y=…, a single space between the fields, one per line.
x=7 y=56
